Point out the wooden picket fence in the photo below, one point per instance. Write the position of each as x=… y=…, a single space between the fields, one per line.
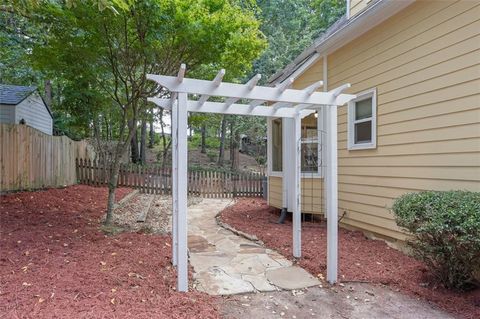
x=152 y=179
x=31 y=159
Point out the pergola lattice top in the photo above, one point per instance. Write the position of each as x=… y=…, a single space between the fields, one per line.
x=281 y=101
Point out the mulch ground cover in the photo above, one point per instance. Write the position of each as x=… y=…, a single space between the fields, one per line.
x=360 y=258
x=55 y=262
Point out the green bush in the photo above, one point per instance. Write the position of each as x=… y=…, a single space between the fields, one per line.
x=446 y=233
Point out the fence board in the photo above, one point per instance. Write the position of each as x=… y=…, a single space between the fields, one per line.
x=155 y=180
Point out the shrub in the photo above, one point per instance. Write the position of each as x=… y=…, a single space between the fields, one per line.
x=446 y=233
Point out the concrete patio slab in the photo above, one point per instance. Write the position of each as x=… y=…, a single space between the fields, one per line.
x=291 y=278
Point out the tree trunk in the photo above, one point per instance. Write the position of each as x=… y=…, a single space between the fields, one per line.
x=151 y=134
x=48 y=93
x=234 y=154
x=112 y=186
x=119 y=153
x=134 y=147
x=143 y=142
x=204 y=137
x=221 y=150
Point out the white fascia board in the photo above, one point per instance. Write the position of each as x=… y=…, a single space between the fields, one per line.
x=305 y=66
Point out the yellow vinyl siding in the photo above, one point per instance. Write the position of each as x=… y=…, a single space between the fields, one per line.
x=425 y=64
x=356 y=6
x=311 y=75
x=312 y=194
x=275 y=191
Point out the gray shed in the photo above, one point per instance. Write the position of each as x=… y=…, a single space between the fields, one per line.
x=24 y=105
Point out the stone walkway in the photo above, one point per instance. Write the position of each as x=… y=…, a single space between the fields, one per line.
x=225 y=263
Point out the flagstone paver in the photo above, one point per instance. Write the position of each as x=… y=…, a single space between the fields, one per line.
x=225 y=263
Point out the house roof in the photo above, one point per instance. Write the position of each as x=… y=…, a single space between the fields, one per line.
x=15 y=94
x=339 y=34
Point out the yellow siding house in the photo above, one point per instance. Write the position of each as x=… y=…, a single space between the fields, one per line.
x=415 y=125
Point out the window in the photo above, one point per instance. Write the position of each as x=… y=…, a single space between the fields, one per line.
x=311 y=145
x=362 y=119
x=309 y=148
x=277 y=145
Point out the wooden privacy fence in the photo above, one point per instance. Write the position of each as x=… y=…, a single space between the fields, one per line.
x=30 y=159
x=152 y=179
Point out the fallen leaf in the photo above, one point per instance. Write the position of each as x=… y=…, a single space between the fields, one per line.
x=103 y=263
x=40 y=300
x=112 y=301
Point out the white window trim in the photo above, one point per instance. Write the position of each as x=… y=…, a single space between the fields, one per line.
x=371 y=93
x=270 y=149
x=321 y=155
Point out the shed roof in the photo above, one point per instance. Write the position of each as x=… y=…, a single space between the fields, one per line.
x=14 y=94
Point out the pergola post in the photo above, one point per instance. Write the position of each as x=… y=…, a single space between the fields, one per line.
x=174 y=179
x=296 y=168
x=182 y=177
x=332 y=195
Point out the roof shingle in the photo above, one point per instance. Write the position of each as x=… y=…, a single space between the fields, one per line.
x=14 y=94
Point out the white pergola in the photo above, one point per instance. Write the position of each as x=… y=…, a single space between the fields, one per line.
x=281 y=101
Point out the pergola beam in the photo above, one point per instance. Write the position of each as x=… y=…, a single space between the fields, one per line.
x=181 y=73
x=253 y=81
x=234 y=109
x=308 y=91
x=241 y=91
x=216 y=82
x=250 y=84
x=337 y=91
x=285 y=85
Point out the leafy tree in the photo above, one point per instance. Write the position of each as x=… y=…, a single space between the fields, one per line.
x=290 y=26
x=107 y=54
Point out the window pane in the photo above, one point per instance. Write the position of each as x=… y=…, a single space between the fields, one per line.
x=309 y=157
x=363 y=132
x=363 y=109
x=277 y=145
x=309 y=127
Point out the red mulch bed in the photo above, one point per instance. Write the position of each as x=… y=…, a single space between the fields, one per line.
x=56 y=263
x=360 y=259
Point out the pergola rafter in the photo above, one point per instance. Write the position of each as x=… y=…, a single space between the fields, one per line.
x=281 y=101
